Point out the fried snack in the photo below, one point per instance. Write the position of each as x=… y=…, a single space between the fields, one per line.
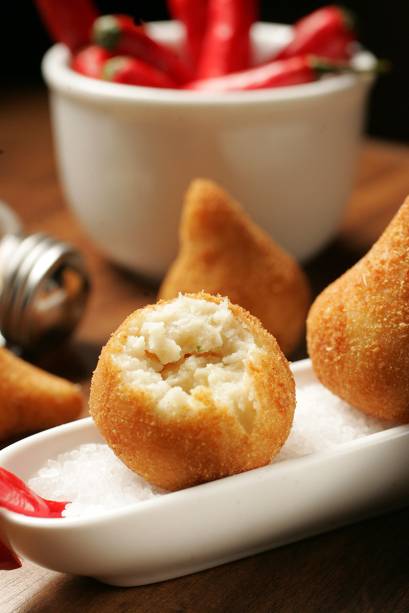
x=358 y=328
x=192 y=389
x=223 y=252
x=32 y=399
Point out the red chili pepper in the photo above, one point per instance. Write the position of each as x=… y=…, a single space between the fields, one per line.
x=16 y=496
x=193 y=15
x=327 y=32
x=8 y=558
x=226 y=45
x=90 y=61
x=68 y=21
x=278 y=73
x=131 y=71
x=340 y=48
x=119 y=34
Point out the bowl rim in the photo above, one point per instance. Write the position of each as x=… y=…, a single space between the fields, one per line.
x=59 y=76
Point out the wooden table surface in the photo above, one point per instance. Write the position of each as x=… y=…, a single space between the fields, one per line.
x=362 y=568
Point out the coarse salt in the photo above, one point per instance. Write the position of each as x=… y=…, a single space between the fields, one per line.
x=95 y=480
x=324 y=421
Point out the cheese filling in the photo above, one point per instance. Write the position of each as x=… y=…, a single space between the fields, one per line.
x=189 y=348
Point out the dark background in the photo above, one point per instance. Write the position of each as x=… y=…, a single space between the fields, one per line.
x=383 y=28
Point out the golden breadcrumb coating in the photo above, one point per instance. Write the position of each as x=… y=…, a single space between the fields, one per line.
x=178 y=425
x=222 y=251
x=358 y=328
x=32 y=399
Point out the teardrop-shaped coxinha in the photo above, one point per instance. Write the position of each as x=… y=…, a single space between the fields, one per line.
x=222 y=251
x=358 y=328
x=32 y=399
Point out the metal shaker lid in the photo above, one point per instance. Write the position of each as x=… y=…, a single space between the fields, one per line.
x=44 y=286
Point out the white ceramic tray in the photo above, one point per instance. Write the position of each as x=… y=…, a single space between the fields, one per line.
x=214 y=523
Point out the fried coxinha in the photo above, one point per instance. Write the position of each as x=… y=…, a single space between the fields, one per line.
x=358 y=328
x=222 y=251
x=32 y=399
x=192 y=389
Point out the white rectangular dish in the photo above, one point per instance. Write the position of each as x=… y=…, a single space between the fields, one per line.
x=197 y=528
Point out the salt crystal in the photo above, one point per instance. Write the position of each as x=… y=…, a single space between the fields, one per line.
x=95 y=480
x=324 y=421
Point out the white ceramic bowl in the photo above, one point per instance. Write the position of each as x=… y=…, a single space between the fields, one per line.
x=200 y=527
x=126 y=154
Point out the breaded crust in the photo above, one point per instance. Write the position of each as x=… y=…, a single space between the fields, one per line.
x=358 y=328
x=183 y=449
x=222 y=251
x=32 y=399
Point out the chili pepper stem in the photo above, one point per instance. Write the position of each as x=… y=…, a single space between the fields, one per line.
x=106 y=32
x=119 y=34
x=321 y=66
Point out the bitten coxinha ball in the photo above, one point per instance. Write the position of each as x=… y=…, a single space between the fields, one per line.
x=192 y=389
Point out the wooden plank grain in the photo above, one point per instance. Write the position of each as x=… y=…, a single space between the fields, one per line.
x=376 y=198
x=362 y=568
